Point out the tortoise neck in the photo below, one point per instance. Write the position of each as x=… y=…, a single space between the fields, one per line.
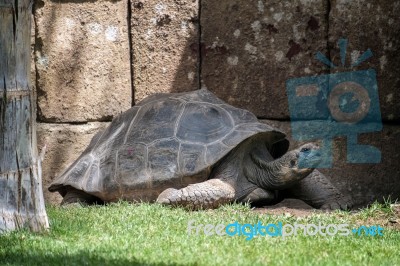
x=275 y=174
x=261 y=172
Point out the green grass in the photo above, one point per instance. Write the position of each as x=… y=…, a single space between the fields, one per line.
x=129 y=234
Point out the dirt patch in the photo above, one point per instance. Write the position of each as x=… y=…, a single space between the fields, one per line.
x=298 y=208
x=292 y=207
x=387 y=220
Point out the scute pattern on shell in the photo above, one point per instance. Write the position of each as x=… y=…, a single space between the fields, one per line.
x=167 y=140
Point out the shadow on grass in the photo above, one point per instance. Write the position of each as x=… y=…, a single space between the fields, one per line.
x=80 y=258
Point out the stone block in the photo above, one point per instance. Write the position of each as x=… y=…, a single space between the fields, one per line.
x=250 y=49
x=65 y=143
x=371 y=25
x=82 y=60
x=165 y=46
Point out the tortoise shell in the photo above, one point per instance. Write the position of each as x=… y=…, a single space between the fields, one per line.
x=166 y=141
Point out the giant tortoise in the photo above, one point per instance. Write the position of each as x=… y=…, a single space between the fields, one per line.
x=192 y=149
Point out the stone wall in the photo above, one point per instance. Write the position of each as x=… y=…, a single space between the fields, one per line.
x=95 y=59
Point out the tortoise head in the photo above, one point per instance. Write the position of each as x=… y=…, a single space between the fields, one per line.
x=285 y=170
x=301 y=161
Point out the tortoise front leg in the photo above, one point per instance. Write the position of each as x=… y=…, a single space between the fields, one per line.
x=260 y=197
x=206 y=195
x=317 y=191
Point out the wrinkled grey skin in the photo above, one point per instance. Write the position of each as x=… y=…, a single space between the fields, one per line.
x=194 y=150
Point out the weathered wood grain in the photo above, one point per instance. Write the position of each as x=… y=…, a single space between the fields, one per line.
x=21 y=195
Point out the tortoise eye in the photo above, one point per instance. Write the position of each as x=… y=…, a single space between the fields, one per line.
x=305 y=150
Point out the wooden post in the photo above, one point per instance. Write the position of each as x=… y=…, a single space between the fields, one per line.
x=21 y=195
